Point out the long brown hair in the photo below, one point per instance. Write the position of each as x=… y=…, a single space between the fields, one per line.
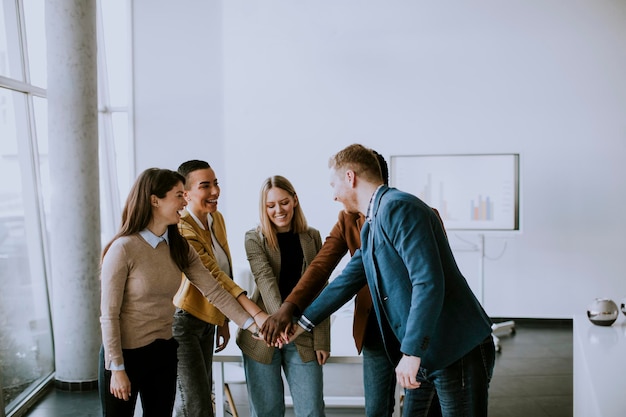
x=137 y=211
x=298 y=222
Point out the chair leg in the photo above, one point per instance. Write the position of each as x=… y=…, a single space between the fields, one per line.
x=231 y=401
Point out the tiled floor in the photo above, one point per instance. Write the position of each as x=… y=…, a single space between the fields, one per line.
x=533 y=377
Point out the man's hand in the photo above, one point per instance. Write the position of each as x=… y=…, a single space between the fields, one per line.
x=120 y=385
x=278 y=323
x=406 y=371
x=297 y=331
x=222 y=336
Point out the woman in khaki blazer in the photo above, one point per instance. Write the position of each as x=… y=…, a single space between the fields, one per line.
x=279 y=250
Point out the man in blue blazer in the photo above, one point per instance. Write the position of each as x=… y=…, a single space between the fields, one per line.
x=433 y=326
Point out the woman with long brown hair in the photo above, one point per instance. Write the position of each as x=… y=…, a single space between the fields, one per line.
x=141 y=272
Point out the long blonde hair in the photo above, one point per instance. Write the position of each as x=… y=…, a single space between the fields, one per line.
x=298 y=222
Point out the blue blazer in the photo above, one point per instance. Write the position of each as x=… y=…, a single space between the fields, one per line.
x=419 y=293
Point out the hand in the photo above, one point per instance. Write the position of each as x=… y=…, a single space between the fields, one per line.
x=406 y=371
x=277 y=323
x=222 y=336
x=282 y=340
x=254 y=329
x=322 y=356
x=120 y=385
x=297 y=331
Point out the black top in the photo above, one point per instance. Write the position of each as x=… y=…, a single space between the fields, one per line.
x=291 y=258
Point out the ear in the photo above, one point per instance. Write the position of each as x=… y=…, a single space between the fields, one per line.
x=154 y=200
x=351 y=177
x=295 y=200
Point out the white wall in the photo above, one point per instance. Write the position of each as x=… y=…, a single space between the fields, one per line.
x=177 y=87
x=301 y=80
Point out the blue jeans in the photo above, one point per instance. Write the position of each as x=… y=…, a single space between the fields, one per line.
x=379 y=379
x=266 y=390
x=462 y=387
x=195 y=358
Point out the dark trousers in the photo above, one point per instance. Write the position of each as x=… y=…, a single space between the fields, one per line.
x=152 y=373
x=462 y=387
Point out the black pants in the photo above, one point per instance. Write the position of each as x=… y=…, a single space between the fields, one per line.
x=152 y=373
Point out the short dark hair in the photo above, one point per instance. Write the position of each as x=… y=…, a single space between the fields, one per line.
x=384 y=169
x=188 y=167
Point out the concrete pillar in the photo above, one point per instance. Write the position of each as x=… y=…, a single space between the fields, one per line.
x=2 y=405
x=75 y=204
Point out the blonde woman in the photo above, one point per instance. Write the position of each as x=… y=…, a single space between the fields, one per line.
x=279 y=250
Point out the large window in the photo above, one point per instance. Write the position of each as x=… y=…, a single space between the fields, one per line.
x=26 y=342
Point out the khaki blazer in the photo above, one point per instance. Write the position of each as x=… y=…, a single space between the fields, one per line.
x=265 y=266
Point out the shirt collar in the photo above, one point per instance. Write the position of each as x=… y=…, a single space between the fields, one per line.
x=152 y=239
x=370 y=207
x=198 y=222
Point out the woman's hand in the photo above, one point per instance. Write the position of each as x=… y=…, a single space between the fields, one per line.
x=322 y=356
x=120 y=385
x=254 y=329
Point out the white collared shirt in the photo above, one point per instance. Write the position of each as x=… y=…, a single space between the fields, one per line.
x=218 y=251
x=154 y=240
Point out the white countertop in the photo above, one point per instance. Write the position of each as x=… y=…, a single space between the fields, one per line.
x=599 y=368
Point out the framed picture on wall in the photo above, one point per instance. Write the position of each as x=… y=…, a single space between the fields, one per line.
x=471 y=192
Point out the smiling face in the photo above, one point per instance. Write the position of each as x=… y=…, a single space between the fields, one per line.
x=280 y=206
x=202 y=192
x=341 y=181
x=166 y=210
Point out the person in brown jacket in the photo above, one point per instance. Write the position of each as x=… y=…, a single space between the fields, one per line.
x=379 y=380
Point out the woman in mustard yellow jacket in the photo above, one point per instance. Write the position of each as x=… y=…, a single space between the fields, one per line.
x=199 y=327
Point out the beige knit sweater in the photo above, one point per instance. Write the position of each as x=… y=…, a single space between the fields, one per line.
x=138 y=283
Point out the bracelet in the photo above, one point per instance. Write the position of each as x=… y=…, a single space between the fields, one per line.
x=257 y=313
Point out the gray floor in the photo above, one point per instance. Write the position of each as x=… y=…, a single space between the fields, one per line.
x=533 y=377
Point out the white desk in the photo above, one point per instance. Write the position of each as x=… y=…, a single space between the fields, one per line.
x=342 y=351
x=599 y=368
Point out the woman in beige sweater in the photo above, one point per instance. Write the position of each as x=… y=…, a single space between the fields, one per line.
x=141 y=272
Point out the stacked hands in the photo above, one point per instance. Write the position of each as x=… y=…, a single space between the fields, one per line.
x=278 y=329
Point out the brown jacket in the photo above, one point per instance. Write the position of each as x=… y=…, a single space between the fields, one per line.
x=345 y=236
x=265 y=266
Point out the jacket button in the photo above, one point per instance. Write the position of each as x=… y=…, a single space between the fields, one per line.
x=385 y=298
